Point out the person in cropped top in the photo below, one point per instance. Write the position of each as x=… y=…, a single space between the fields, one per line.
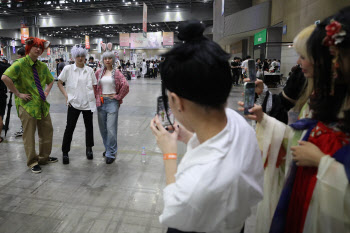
x=111 y=88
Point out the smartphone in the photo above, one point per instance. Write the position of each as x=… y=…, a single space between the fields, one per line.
x=162 y=114
x=249 y=96
x=251 y=70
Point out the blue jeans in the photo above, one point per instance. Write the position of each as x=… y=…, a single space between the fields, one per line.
x=108 y=123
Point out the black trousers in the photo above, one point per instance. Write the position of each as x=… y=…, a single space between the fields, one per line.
x=235 y=77
x=172 y=230
x=72 y=118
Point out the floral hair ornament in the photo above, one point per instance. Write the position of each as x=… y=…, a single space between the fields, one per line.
x=335 y=35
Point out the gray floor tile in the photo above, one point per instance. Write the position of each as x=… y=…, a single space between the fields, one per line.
x=89 y=196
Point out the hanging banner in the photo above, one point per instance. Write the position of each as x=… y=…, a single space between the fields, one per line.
x=48 y=51
x=99 y=43
x=168 y=39
x=144 y=21
x=87 y=42
x=223 y=8
x=153 y=40
x=13 y=44
x=124 y=40
x=24 y=34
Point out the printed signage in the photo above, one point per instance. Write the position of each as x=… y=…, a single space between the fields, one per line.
x=144 y=21
x=24 y=34
x=124 y=40
x=260 y=37
x=87 y=42
x=168 y=39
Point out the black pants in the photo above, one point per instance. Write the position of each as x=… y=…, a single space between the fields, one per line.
x=72 y=118
x=235 y=77
x=172 y=230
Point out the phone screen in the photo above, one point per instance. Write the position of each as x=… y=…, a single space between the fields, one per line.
x=251 y=70
x=249 y=97
x=162 y=114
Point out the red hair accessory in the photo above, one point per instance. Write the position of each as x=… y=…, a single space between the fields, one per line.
x=31 y=41
x=335 y=34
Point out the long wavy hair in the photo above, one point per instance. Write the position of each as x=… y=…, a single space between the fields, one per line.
x=330 y=94
x=107 y=54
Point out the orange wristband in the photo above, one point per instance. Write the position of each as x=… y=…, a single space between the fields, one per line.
x=170 y=156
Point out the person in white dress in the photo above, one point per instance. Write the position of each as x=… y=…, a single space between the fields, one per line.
x=144 y=68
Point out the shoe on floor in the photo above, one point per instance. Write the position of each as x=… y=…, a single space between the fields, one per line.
x=109 y=160
x=19 y=133
x=52 y=160
x=104 y=154
x=65 y=158
x=36 y=169
x=89 y=153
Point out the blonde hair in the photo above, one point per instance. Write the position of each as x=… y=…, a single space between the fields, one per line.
x=300 y=41
x=300 y=46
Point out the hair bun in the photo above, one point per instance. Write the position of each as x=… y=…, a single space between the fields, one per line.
x=191 y=30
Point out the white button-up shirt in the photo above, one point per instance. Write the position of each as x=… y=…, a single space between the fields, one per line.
x=217 y=182
x=79 y=86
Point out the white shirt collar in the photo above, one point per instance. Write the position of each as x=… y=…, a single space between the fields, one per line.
x=203 y=153
x=75 y=67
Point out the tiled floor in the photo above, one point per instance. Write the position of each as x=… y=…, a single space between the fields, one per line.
x=89 y=196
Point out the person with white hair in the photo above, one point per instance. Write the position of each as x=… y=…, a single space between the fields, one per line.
x=80 y=98
x=110 y=90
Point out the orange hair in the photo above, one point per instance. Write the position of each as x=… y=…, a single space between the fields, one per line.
x=31 y=41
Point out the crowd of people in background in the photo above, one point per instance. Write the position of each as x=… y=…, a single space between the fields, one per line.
x=239 y=68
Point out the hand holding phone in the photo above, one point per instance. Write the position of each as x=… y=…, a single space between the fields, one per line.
x=249 y=96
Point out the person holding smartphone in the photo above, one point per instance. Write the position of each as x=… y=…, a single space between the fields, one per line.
x=220 y=177
x=111 y=88
x=310 y=158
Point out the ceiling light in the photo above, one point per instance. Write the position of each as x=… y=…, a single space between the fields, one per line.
x=123 y=0
x=4 y=11
x=177 y=6
x=47 y=13
x=99 y=10
x=39 y=13
x=167 y=7
x=136 y=3
x=108 y=10
x=66 y=7
x=57 y=7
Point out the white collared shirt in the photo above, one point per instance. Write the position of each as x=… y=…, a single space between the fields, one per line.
x=79 y=86
x=217 y=182
x=245 y=65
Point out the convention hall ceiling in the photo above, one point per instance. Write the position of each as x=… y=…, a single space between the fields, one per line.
x=65 y=8
x=32 y=8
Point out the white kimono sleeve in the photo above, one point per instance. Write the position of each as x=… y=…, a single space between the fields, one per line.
x=330 y=203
